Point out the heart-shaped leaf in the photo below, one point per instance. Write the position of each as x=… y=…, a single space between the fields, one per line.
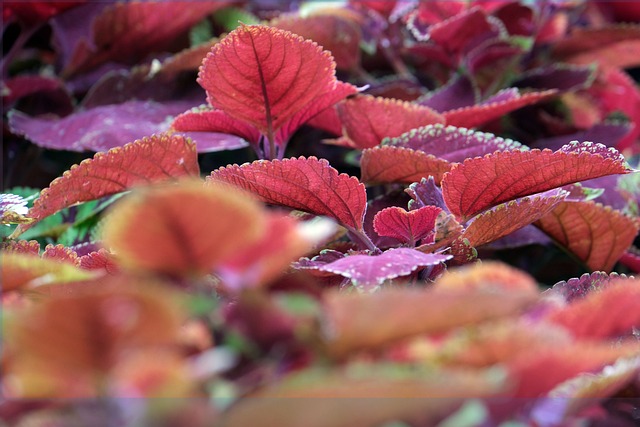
x=367 y=119
x=591 y=317
x=477 y=115
x=452 y=143
x=264 y=76
x=152 y=159
x=388 y=164
x=369 y=271
x=169 y=229
x=482 y=182
x=307 y=184
x=406 y=226
x=596 y=234
x=511 y=216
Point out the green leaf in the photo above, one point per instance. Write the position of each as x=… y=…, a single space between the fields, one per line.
x=231 y=17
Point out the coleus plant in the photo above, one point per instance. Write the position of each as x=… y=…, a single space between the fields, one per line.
x=131 y=276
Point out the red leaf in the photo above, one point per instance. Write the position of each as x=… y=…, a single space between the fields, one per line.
x=31 y=247
x=128 y=32
x=334 y=33
x=631 y=260
x=367 y=119
x=509 y=217
x=34 y=12
x=306 y=184
x=596 y=234
x=99 y=260
x=388 y=164
x=614 y=46
x=477 y=115
x=407 y=226
x=264 y=76
x=608 y=312
x=459 y=32
x=482 y=182
x=152 y=159
x=169 y=228
x=61 y=253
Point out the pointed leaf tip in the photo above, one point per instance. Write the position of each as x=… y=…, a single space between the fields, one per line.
x=308 y=184
x=482 y=182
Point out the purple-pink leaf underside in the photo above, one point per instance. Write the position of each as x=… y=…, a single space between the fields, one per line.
x=479 y=114
x=609 y=134
x=457 y=93
x=153 y=159
x=425 y=193
x=479 y=183
x=306 y=184
x=563 y=77
x=370 y=271
x=100 y=128
x=511 y=216
x=579 y=287
x=452 y=143
x=207 y=120
x=388 y=164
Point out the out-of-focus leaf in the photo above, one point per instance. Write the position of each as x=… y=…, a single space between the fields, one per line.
x=369 y=271
x=98 y=129
x=367 y=120
x=464 y=30
x=411 y=226
x=35 y=12
x=596 y=234
x=332 y=31
x=152 y=159
x=343 y=398
x=591 y=317
x=169 y=229
x=511 y=216
x=374 y=320
x=477 y=115
x=20 y=270
x=127 y=32
x=306 y=184
x=452 y=143
x=487 y=275
x=60 y=253
x=477 y=184
x=607 y=133
x=389 y=164
x=563 y=77
x=12 y=209
x=580 y=287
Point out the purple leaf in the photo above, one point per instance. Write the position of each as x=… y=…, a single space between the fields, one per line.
x=563 y=77
x=457 y=93
x=369 y=271
x=502 y=96
x=452 y=143
x=426 y=193
x=608 y=134
x=611 y=195
x=528 y=235
x=580 y=287
x=100 y=128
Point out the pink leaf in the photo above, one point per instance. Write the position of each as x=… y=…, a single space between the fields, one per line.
x=406 y=226
x=306 y=184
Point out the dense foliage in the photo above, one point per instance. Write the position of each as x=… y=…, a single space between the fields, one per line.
x=362 y=213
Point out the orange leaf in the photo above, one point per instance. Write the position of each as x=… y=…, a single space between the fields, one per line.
x=365 y=321
x=152 y=159
x=389 y=164
x=20 y=270
x=307 y=184
x=487 y=275
x=367 y=120
x=183 y=229
x=482 y=182
x=509 y=217
x=598 y=235
x=606 y=313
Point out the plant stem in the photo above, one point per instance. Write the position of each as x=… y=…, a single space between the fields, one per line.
x=361 y=238
x=21 y=40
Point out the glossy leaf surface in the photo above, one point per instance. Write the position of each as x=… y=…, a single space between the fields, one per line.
x=482 y=182
x=152 y=159
x=596 y=234
x=307 y=184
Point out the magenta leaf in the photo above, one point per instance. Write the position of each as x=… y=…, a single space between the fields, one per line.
x=563 y=77
x=100 y=128
x=306 y=184
x=392 y=199
x=425 y=193
x=579 y=287
x=369 y=271
x=408 y=227
x=457 y=93
x=452 y=143
x=607 y=133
